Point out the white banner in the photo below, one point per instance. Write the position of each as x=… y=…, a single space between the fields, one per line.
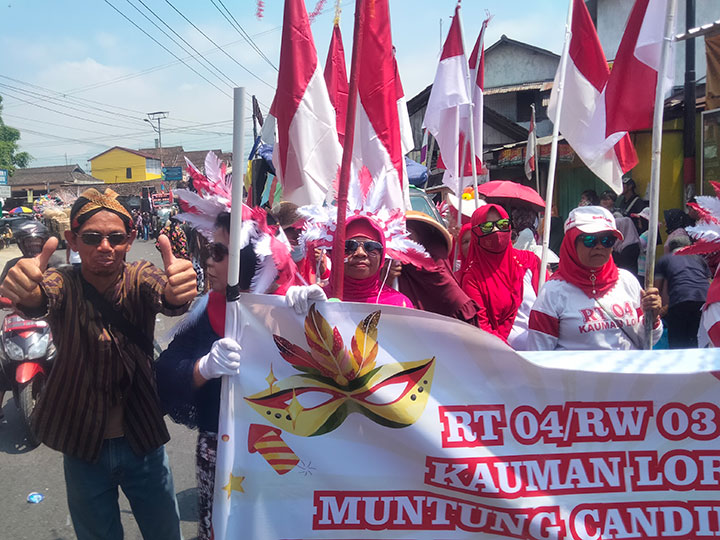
x=374 y=422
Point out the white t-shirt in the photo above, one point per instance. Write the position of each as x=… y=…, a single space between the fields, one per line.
x=564 y=317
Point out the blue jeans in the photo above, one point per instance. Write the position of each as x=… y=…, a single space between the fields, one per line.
x=92 y=493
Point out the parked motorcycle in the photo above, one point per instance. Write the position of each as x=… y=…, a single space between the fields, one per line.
x=26 y=345
x=28 y=353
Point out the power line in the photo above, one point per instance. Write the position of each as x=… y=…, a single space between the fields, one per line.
x=220 y=72
x=168 y=50
x=60 y=112
x=42 y=98
x=240 y=30
x=64 y=95
x=216 y=45
x=132 y=135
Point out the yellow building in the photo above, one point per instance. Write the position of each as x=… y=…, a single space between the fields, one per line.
x=120 y=164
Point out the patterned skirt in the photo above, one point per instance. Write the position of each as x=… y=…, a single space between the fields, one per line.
x=205 y=470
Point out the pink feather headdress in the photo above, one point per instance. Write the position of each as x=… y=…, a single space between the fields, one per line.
x=320 y=225
x=706 y=232
x=201 y=209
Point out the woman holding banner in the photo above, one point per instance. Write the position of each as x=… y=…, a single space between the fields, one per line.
x=189 y=371
x=589 y=303
x=502 y=280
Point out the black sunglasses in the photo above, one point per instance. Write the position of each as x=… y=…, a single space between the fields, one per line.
x=590 y=240
x=371 y=247
x=95 y=239
x=217 y=251
x=502 y=224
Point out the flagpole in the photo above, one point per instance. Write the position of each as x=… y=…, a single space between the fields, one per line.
x=535 y=151
x=458 y=155
x=338 y=251
x=553 y=148
x=233 y=287
x=655 y=165
x=468 y=85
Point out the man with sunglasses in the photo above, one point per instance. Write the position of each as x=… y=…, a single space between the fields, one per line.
x=590 y=303
x=100 y=406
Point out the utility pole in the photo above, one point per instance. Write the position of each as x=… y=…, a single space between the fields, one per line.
x=689 y=106
x=158 y=115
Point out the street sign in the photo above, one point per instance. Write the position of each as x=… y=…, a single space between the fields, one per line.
x=3 y=177
x=173 y=174
x=161 y=199
x=5 y=192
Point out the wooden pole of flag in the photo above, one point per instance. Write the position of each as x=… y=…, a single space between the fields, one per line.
x=553 y=148
x=338 y=251
x=656 y=157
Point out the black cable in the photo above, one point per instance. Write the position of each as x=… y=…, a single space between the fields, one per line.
x=240 y=30
x=60 y=112
x=218 y=70
x=48 y=99
x=216 y=45
x=65 y=95
x=168 y=50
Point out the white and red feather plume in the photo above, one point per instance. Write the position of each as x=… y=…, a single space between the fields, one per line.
x=200 y=210
x=320 y=225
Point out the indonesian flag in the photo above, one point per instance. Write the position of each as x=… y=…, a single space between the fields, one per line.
x=378 y=164
x=530 y=148
x=449 y=100
x=337 y=80
x=583 y=120
x=477 y=78
x=307 y=153
x=630 y=93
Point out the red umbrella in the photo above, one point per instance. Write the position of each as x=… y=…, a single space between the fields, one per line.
x=512 y=191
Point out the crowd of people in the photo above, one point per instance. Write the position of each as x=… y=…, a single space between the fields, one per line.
x=104 y=402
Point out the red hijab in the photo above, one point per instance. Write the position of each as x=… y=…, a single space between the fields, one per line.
x=368 y=290
x=581 y=276
x=495 y=272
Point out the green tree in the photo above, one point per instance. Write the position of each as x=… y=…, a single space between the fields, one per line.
x=10 y=158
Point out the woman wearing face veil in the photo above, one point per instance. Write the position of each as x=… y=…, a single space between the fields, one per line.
x=502 y=280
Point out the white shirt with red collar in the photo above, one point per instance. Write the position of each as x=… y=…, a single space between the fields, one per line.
x=564 y=317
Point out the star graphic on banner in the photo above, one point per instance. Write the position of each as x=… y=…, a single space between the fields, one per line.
x=235 y=484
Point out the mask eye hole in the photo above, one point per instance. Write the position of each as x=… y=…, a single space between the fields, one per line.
x=388 y=393
x=310 y=399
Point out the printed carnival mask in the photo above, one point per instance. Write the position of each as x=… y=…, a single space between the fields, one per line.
x=336 y=381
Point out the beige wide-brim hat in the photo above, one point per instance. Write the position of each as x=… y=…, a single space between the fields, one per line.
x=422 y=217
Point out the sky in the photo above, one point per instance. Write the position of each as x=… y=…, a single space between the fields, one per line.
x=77 y=77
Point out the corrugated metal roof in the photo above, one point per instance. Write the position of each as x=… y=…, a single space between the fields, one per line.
x=542 y=86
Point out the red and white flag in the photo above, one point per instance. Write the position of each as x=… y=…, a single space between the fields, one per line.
x=378 y=163
x=583 y=119
x=449 y=101
x=307 y=153
x=477 y=81
x=337 y=80
x=630 y=92
x=530 y=148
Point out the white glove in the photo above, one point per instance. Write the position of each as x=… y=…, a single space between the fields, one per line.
x=223 y=359
x=299 y=297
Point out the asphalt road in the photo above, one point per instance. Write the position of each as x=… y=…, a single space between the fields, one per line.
x=24 y=470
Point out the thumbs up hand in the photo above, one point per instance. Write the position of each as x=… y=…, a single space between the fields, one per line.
x=22 y=283
x=181 y=285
